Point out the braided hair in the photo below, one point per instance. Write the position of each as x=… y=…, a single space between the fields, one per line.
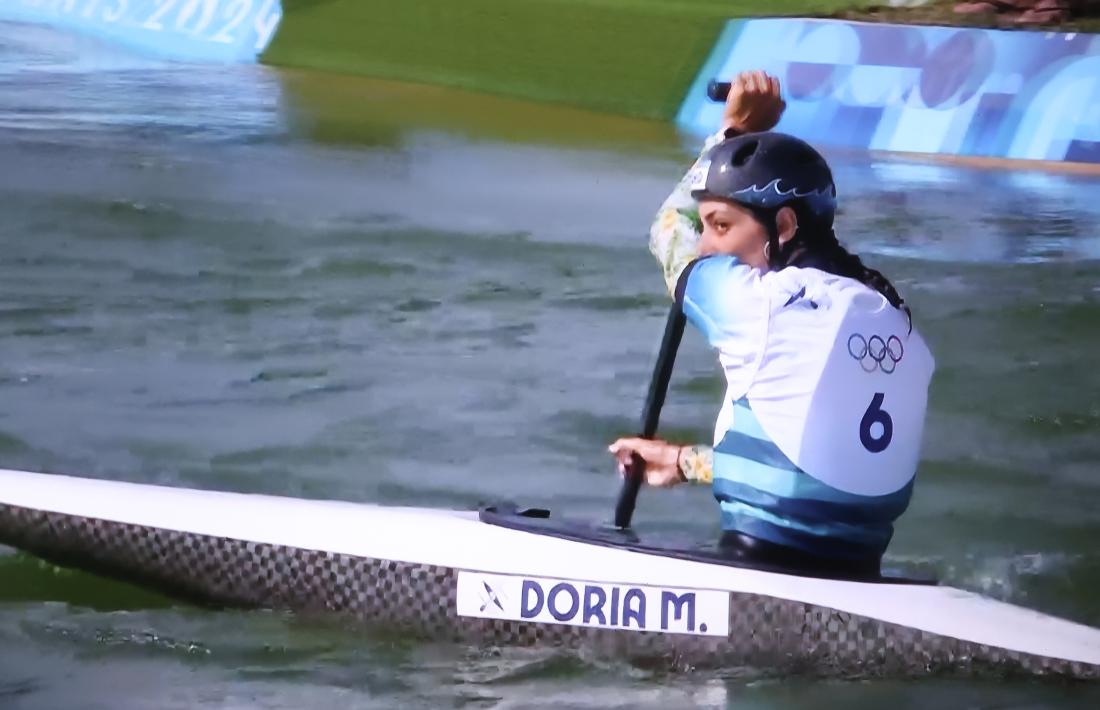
x=815 y=245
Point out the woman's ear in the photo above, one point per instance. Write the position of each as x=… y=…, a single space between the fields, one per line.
x=786 y=224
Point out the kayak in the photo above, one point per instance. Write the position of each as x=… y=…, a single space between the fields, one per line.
x=505 y=577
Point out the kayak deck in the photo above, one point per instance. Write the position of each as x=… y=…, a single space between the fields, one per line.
x=380 y=565
x=541 y=522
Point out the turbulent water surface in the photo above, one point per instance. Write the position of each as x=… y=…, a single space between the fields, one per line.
x=247 y=280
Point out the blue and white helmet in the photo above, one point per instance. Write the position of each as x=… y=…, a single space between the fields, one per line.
x=766 y=171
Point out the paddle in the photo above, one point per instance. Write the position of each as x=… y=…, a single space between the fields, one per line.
x=651 y=412
x=718 y=90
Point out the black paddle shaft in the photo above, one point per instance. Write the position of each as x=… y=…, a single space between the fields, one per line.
x=651 y=413
x=718 y=90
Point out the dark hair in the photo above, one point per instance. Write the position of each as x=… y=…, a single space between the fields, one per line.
x=815 y=245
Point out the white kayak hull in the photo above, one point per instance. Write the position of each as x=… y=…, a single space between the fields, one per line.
x=446 y=575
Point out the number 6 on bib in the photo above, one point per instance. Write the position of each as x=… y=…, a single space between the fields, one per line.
x=875 y=414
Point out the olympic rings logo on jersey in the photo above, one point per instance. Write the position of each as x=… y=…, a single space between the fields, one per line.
x=875 y=353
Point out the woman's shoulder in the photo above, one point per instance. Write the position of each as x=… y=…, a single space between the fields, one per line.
x=821 y=288
x=718 y=275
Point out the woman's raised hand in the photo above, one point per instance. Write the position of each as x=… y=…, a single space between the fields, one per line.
x=754 y=103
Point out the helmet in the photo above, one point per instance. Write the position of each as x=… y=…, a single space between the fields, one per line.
x=766 y=171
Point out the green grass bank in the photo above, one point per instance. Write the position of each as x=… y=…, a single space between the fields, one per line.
x=628 y=57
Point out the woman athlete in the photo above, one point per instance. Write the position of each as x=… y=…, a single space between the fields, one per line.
x=817 y=441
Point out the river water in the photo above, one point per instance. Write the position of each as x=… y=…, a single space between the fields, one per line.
x=243 y=279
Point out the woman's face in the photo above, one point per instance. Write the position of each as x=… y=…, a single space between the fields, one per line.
x=733 y=230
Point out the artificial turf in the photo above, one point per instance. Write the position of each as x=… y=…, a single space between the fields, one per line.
x=629 y=57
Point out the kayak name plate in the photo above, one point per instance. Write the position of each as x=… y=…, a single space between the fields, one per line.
x=600 y=605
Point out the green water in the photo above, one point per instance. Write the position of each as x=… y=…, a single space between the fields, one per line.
x=246 y=280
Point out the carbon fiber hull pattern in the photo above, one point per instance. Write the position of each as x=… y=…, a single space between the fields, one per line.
x=764 y=632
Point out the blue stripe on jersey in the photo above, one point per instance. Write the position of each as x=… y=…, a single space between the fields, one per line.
x=761 y=451
x=745 y=422
x=764 y=494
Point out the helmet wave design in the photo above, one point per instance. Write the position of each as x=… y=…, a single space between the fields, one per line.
x=875 y=352
x=823 y=194
x=774 y=186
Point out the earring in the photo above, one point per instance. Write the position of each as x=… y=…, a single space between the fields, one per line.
x=768 y=252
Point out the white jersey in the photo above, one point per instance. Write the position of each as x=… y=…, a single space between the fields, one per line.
x=835 y=375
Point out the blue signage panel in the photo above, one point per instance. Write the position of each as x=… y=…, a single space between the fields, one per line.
x=959 y=91
x=189 y=30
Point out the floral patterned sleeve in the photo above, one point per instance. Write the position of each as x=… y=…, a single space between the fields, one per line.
x=697 y=463
x=674 y=240
x=674 y=235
